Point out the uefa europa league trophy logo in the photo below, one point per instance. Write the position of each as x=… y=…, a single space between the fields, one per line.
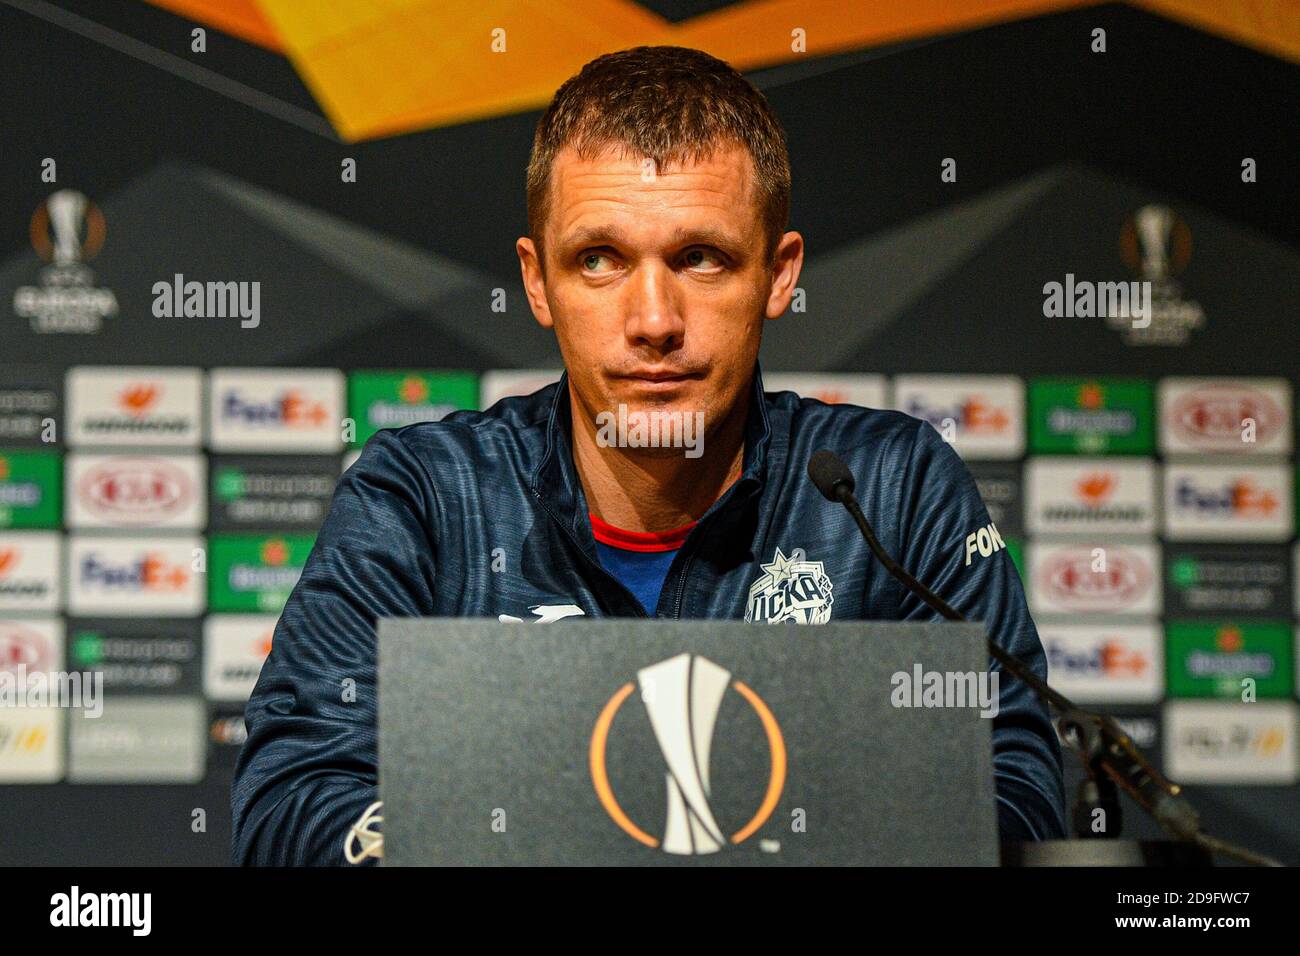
x=67 y=212
x=1154 y=226
x=66 y=230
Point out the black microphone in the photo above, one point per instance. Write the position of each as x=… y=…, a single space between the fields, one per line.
x=831 y=476
x=1113 y=752
x=834 y=480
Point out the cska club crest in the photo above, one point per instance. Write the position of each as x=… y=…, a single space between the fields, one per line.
x=791 y=589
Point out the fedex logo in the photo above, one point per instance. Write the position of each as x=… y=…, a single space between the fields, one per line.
x=276 y=410
x=124 y=577
x=981 y=416
x=152 y=572
x=1227 y=502
x=1110 y=658
x=1240 y=498
x=975 y=414
x=1105 y=664
x=291 y=409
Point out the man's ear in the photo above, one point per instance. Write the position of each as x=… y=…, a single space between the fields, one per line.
x=787 y=262
x=530 y=268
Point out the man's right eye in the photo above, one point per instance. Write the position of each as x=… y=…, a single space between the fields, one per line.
x=590 y=259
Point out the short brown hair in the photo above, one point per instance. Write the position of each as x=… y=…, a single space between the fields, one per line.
x=671 y=104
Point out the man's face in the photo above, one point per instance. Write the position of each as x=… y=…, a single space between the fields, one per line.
x=656 y=283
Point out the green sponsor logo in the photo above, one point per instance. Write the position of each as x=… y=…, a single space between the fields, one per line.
x=392 y=399
x=254 y=572
x=1213 y=658
x=1091 y=416
x=88 y=648
x=229 y=484
x=31 y=489
x=1184 y=573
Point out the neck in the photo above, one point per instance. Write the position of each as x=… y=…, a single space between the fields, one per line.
x=637 y=491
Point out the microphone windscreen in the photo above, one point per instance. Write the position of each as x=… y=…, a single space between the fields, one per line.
x=827 y=472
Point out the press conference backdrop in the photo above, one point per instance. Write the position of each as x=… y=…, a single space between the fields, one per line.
x=1154 y=531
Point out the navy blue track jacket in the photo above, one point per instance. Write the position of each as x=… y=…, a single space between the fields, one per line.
x=418 y=521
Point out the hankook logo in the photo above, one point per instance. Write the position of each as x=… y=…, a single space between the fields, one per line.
x=682 y=696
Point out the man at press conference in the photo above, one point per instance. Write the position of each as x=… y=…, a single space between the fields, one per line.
x=658 y=194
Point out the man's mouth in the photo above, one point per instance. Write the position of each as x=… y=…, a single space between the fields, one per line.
x=661 y=376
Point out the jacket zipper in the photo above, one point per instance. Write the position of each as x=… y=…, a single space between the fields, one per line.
x=599 y=568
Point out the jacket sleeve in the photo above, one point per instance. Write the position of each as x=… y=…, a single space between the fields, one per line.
x=307 y=770
x=939 y=511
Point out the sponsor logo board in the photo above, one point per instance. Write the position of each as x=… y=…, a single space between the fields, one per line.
x=31 y=744
x=1104 y=663
x=31 y=486
x=136 y=491
x=234 y=648
x=1222 y=502
x=1001 y=487
x=148 y=656
x=1227 y=579
x=31 y=574
x=395 y=399
x=31 y=407
x=140 y=740
x=135 y=407
x=29 y=645
x=271 y=492
x=1109 y=496
x=1218 y=742
x=1229 y=659
x=255 y=573
x=497 y=384
x=1094 y=577
x=833 y=388
x=275 y=410
x=1244 y=416
x=982 y=416
x=130 y=576
x=1091 y=417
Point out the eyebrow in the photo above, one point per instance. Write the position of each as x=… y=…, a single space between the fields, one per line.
x=613 y=236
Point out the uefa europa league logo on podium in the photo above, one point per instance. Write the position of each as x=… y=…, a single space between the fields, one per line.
x=682 y=696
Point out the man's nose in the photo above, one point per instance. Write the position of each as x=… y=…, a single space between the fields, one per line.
x=653 y=310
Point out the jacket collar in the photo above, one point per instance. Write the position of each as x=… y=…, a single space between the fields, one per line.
x=555 y=480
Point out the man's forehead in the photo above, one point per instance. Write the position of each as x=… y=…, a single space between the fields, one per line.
x=724 y=158
x=582 y=185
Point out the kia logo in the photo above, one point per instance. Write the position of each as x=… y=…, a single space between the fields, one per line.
x=135 y=491
x=1214 y=415
x=1069 y=580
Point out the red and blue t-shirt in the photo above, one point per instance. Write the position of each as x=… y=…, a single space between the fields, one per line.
x=639 y=559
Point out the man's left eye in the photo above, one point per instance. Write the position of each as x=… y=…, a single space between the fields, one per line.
x=706 y=258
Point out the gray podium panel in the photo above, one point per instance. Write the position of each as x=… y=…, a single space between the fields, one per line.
x=652 y=742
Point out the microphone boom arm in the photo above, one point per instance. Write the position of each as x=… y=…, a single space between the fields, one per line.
x=1118 y=756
